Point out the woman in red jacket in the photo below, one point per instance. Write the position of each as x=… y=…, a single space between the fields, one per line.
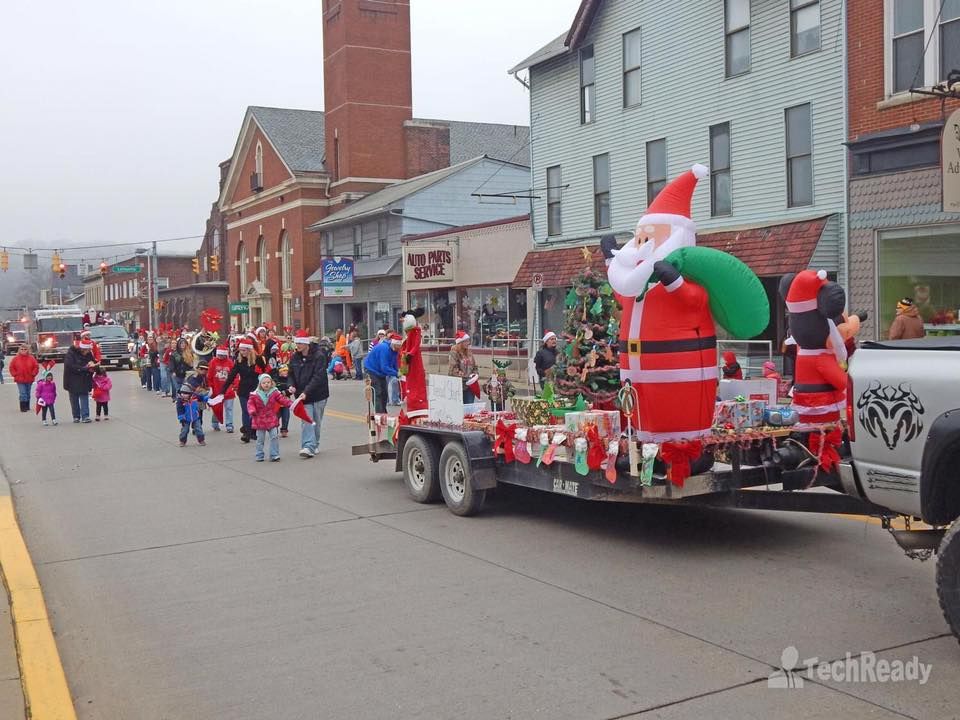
x=24 y=369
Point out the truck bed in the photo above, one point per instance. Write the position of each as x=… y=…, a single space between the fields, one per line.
x=945 y=343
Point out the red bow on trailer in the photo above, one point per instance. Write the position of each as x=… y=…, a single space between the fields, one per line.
x=678 y=455
x=504 y=441
x=826 y=447
x=210 y=320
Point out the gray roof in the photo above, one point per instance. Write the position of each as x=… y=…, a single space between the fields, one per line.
x=499 y=142
x=296 y=134
x=382 y=200
x=552 y=49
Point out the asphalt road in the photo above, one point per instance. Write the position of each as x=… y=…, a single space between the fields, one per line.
x=196 y=583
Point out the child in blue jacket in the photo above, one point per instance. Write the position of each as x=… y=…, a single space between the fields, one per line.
x=189 y=415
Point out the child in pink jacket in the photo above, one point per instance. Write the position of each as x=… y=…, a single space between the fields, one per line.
x=264 y=407
x=102 y=385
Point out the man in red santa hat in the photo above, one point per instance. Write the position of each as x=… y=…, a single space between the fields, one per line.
x=668 y=343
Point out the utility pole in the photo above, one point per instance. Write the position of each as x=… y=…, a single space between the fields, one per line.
x=150 y=288
x=154 y=290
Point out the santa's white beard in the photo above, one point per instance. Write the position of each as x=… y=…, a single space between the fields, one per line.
x=631 y=267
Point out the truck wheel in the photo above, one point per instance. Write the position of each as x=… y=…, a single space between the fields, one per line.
x=420 y=473
x=948 y=577
x=456 y=481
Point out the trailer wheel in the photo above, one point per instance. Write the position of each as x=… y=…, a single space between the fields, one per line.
x=948 y=577
x=456 y=481
x=420 y=473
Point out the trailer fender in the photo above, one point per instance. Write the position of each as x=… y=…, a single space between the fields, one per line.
x=939 y=476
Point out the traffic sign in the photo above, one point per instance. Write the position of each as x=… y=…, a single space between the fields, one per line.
x=125 y=269
x=538 y=281
x=239 y=308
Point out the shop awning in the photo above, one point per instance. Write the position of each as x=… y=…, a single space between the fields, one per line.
x=365 y=270
x=559 y=266
x=772 y=250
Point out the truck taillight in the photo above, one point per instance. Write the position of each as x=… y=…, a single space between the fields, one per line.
x=851 y=426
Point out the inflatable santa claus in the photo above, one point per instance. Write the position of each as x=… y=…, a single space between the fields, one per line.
x=671 y=292
x=412 y=374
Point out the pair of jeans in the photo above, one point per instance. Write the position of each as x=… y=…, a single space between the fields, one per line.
x=196 y=426
x=227 y=415
x=310 y=434
x=80 y=405
x=178 y=381
x=164 y=380
x=103 y=406
x=244 y=415
x=394 y=391
x=379 y=384
x=358 y=366
x=284 y=419
x=24 y=390
x=43 y=412
x=274 y=436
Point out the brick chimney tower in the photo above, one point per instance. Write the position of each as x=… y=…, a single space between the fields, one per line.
x=367 y=91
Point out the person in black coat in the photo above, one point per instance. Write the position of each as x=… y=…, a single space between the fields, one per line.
x=546 y=356
x=308 y=382
x=248 y=368
x=78 y=369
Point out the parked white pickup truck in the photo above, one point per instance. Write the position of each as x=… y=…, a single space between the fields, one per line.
x=904 y=425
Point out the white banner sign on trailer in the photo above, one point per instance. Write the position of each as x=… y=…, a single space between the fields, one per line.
x=445 y=395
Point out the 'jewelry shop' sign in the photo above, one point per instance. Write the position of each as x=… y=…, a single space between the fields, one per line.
x=337 y=277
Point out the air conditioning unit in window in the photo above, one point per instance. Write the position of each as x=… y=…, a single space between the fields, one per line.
x=256 y=182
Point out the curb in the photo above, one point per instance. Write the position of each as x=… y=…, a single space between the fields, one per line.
x=45 y=689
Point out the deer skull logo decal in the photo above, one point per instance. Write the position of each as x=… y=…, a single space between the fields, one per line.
x=891 y=414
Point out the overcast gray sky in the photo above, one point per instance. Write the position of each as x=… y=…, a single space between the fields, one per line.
x=115 y=113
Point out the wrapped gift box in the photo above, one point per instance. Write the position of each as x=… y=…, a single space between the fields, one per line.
x=607 y=422
x=740 y=415
x=531 y=410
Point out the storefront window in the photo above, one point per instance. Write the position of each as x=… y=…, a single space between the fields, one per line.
x=518 y=317
x=552 y=309
x=381 y=316
x=332 y=318
x=484 y=311
x=439 y=321
x=922 y=264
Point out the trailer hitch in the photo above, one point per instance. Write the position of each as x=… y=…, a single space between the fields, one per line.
x=920 y=544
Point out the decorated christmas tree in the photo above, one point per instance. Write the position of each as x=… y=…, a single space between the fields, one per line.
x=589 y=364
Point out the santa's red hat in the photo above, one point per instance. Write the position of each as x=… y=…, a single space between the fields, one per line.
x=461 y=337
x=395 y=339
x=671 y=206
x=301 y=338
x=549 y=335
x=802 y=295
x=222 y=351
x=473 y=384
x=245 y=345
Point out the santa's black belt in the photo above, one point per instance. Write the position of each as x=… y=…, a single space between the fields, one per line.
x=813 y=388
x=639 y=347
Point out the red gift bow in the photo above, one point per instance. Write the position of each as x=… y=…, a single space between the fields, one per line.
x=504 y=441
x=596 y=453
x=826 y=447
x=678 y=456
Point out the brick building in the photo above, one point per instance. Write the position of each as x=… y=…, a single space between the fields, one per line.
x=125 y=295
x=901 y=241
x=290 y=169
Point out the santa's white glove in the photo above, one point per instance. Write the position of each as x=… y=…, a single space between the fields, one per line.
x=631 y=268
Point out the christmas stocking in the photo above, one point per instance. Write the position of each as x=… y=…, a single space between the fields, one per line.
x=650 y=451
x=558 y=440
x=580 y=456
x=544 y=444
x=613 y=450
x=520 y=450
x=595 y=450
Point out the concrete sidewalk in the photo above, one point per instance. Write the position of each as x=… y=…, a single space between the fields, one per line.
x=11 y=692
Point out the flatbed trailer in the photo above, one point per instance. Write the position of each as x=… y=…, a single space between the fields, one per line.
x=461 y=467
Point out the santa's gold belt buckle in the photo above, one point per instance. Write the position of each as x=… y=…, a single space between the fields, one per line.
x=633 y=347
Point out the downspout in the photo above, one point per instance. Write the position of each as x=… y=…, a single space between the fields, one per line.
x=844 y=274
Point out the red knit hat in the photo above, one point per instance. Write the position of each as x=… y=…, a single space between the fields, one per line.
x=672 y=204
x=802 y=295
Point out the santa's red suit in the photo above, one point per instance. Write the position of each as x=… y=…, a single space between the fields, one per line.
x=414 y=385
x=668 y=343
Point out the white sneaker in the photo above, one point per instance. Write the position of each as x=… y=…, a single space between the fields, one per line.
x=55 y=422
x=45 y=423
x=307 y=453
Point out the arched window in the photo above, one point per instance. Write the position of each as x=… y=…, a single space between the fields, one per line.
x=286 y=263
x=262 y=260
x=242 y=258
x=259 y=161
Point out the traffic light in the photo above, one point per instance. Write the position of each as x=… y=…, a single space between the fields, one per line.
x=196 y=266
x=55 y=262
x=4 y=260
x=214 y=263
x=103 y=269
x=62 y=270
